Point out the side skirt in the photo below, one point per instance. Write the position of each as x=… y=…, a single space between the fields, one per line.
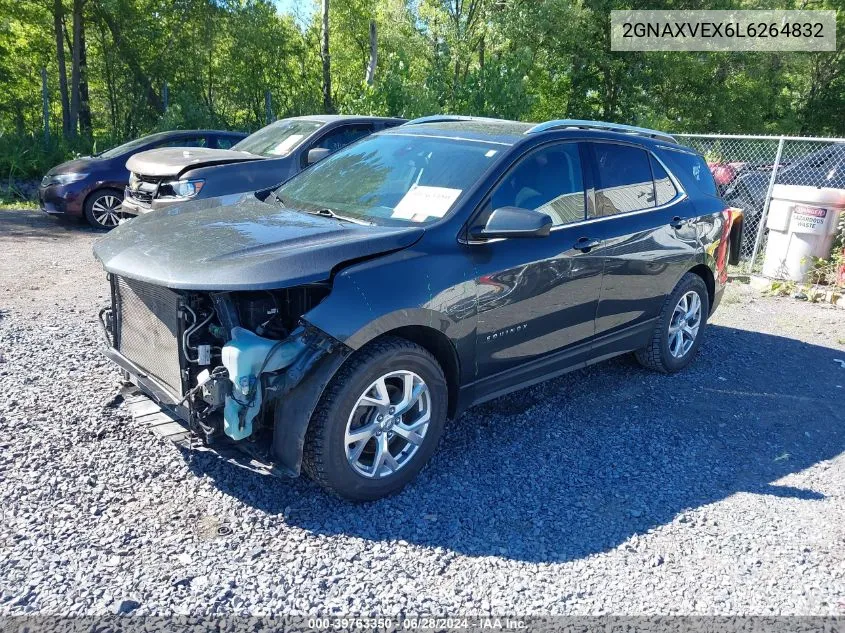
x=621 y=342
x=554 y=365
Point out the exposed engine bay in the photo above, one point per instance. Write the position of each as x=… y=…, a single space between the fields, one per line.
x=235 y=351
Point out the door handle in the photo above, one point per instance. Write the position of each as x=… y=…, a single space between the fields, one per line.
x=677 y=222
x=586 y=244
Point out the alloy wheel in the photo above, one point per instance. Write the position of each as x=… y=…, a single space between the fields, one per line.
x=107 y=210
x=387 y=425
x=684 y=324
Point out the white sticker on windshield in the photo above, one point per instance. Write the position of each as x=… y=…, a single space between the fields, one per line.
x=421 y=203
x=286 y=145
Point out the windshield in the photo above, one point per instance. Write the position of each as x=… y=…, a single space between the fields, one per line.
x=279 y=138
x=126 y=147
x=392 y=178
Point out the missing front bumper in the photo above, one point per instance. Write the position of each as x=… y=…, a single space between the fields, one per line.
x=162 y=422
x=293 y=394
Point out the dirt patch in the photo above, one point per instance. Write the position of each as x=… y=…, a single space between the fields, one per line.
x=47 y=261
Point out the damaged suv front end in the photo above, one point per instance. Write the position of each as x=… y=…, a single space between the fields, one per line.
x=223 y=362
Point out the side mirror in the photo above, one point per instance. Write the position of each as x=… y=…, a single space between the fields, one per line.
x=317 y=154
x=514 y=222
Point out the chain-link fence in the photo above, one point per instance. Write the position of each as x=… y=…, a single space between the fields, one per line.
x=746 y=169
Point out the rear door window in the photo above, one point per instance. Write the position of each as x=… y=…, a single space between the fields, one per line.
x=188 y=141
x=623 y=179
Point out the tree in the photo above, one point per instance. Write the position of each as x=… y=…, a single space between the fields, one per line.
x=516 y=59
x=76 y=65
x=58 y=15
x=370 y=75
x=328 y=106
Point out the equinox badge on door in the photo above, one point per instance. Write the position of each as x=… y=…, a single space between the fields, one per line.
x=506 y=332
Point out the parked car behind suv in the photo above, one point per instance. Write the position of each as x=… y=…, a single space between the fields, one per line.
x=92 y=187
x=335 y=325
x=824 y=167
x=264 y=159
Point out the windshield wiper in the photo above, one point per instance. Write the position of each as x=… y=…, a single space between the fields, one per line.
x=328 y=213
x=277 y=198
x=324 y=212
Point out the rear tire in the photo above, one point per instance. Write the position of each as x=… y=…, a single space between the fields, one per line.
x=378 y=422
x=680 y=327
x=103 y=209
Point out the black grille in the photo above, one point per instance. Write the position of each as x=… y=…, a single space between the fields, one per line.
x=148 y=329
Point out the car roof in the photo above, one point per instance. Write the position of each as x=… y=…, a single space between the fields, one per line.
x=476 y=128
x=505 y=132
x=334 y=118
x=178 y=133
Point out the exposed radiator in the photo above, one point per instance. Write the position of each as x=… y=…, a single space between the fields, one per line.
x=148 y=330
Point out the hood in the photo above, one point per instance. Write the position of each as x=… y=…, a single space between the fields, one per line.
x=172 y=161
x=82 y=165
x=247 y=245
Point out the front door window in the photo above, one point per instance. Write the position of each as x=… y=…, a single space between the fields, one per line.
x=548 y=180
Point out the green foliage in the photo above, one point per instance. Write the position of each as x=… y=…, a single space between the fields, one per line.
x=781 y=288
x=24 y=155
x=520 y=59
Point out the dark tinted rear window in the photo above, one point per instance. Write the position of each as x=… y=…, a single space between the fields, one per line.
x=623 y=178
x=691 y=169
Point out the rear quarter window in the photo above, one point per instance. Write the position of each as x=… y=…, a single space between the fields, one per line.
x=691 y=169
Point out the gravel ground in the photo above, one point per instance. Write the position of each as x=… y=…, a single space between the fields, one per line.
x=720 y=490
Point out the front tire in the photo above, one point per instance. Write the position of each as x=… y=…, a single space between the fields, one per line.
x=378 y=422
x=103 y=209
x=679 y=329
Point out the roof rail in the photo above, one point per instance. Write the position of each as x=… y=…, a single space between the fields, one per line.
x=448 y=118
x=600 y=125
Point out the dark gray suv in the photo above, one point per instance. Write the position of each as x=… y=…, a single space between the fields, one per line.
x=334 y=324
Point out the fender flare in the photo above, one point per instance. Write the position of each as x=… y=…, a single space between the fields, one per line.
x=293 y=409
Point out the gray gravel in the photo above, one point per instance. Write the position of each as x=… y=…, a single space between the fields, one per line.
x=609 y=490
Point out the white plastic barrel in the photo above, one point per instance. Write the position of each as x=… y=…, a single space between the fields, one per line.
x=802 y=225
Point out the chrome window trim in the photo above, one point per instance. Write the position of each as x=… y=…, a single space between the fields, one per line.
x=671 y=203
x=680 y=197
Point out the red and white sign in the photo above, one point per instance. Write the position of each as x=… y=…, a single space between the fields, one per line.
x=808 y=219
